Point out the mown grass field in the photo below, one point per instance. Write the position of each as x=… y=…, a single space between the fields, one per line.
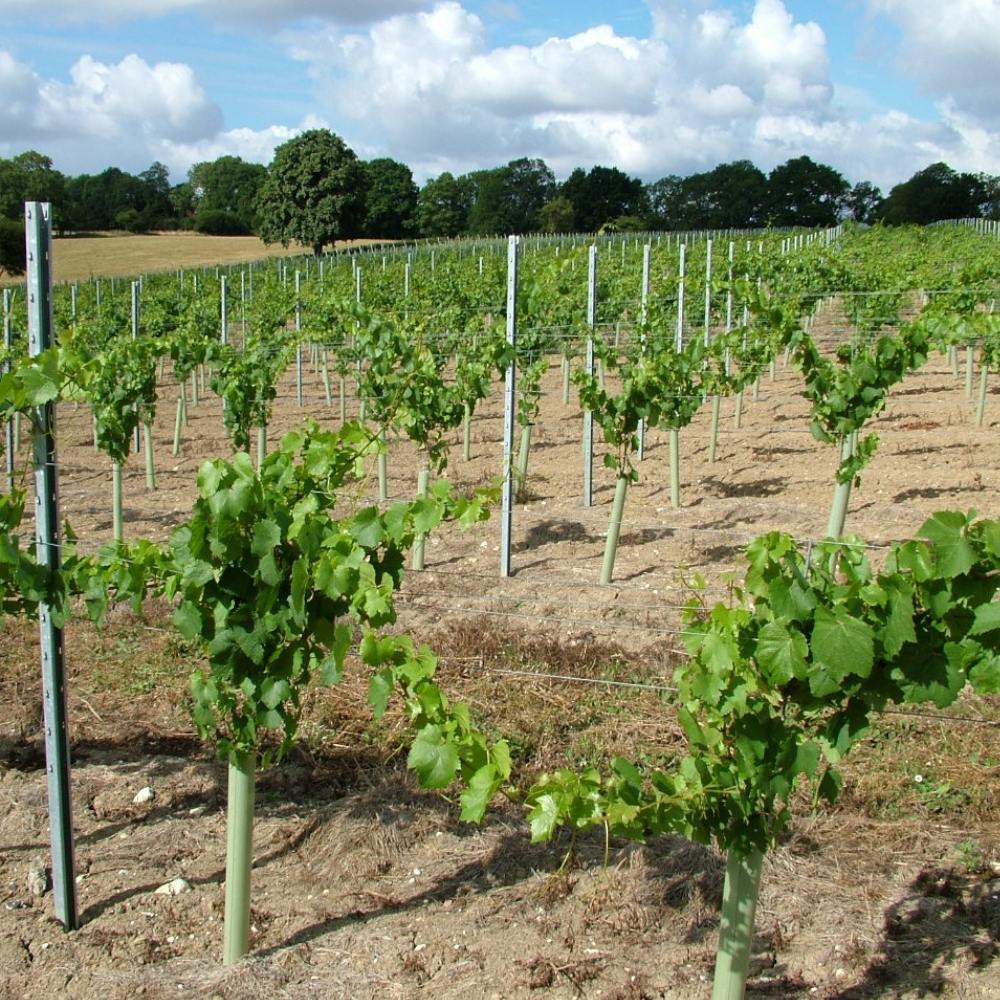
x=115 y=255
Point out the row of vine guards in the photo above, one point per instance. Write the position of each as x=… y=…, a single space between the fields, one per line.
x=38 y=239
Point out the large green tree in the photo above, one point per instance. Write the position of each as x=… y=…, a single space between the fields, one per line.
x=864 y=202
x=314 y=192
x=556 y=216
x=510 y=199
x=443 y=206
x=392 y=200
x=665 y=199
x=529 y=185
x=183 y=203
x=738 y=196
x=934 y=194
x=114 y=199
x=228 y=184
x=156 y=210
x=731 y=196
x=30 y=176
x=602 y=195
x=804 y=193
x=991 y=195
x=13 y=254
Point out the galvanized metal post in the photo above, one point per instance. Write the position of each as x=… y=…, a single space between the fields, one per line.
x=509 y=411
x=8 y=343
x=38 y=236
x=708 y=292
x=588 y=415
x=298 y=337
x=224 y=311
x=136 y=289
x=647 y=254
x=681 y=271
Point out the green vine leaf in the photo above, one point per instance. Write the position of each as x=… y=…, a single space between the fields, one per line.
x=842 y=645
x=434 y=757
x=782 y=655
x=953 y=552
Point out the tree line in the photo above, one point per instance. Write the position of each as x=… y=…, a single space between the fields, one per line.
x=316 y=190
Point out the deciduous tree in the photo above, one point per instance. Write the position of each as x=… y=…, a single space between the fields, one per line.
x=603 y=195
x=864 y=202
x=556 y=216
x=804 y=193
x=230 y=185
x=443 y=206
x=13 y=256
x=29 y=176
x=933 y=194
x=392 y=200
x=314 y=192
x=114 y=199
x=664 y=198
x=509 y=199
x=731 y=196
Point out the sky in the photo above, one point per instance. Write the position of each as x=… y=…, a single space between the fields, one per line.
x=878 y=89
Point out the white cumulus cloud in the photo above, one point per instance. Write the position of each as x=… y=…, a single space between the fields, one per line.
x=269 y=12
x=428 y=88
x=771 y=58
x=621 y=75
x=21 y=99
x=254 y=146
x=112 y=101
x=951 y=50
x=123 y=114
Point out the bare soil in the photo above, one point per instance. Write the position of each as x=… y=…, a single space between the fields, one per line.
x=365 y=887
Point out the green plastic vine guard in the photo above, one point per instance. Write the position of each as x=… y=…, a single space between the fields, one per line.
x=675 y=467
x=180 y=417
x=736 y=923
x=713 y=433
x=239 y=855
x=116 y=501
x=614 y=529
x=147 y=437
x=841 y=493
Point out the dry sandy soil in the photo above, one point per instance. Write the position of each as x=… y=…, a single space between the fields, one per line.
x=367 y=888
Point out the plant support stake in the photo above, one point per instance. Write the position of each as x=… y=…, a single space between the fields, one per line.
x=509 y=410
x=136 y=290
x=841 y=493
x=739 y=909
x=239 y=855
x=588 y=416
x=647 y=252
x=614 y=529
x=11 y=437
x=38 y=237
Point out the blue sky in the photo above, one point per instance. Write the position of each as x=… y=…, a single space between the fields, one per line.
x=876 y=88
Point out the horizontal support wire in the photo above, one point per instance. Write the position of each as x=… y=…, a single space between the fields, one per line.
x=475 y=664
